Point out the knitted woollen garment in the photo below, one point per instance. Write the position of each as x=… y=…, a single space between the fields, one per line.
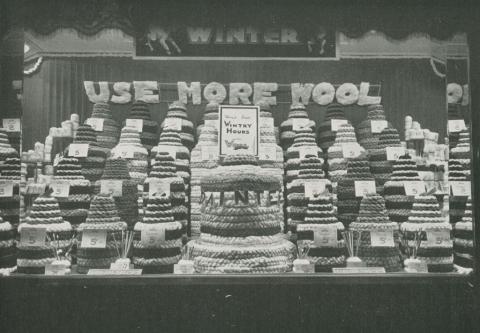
x=74 y=208
x=397 y=202
x=10 y=206
x=102 y=215
x=157 y=256
x=127 y=204
x=287 y=134
x=366 y=138
x=373 y=217
x=179 y=110
x=108 y=136
x=149 y=132
x=426 y=216
x=326 y=137
x=320 y=212
x=7 y=244
x=454 y=113
x=457 y=204
x=461 y=152
x=44 y=213
x=130 y=148
x=6 y=149
x=211 y=113
x=463 y=239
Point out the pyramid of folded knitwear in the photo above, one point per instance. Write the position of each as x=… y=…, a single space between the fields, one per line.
x=45 y=213
x=93 y=164
x=130 y=148
x=179 y=110
x=149 y=132
x=373 y=217
x=164 y=169
x=108 y=136
x=397 y=202
x=10 y=206
x=127 y=204
x=326 y=137
x=210 y=114
x=453 y=113
x=157 y=256
x=6 y=149
x=348 y=203
x=457 y=204
x=380 y=167
x=461 y=152
x=366 y=138
x=8 y=256
x=297 y=112
x=321 y=213
x=426 y=216
x=102 y=215
x=463 y=239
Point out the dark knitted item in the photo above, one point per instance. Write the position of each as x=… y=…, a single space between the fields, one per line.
x=7 y=244
x=366 y=138
x=325 y=136
x=287 y=133
x=108 y=136
x=463 y=239
x=149 y=133
x=10 y=206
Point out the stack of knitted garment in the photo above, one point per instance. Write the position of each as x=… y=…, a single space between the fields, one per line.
x=177 y=113
x=8 y=256
x=6 y=149
x=373 y=218
x=157 y=254
x=454 y=113
x=74 y=208
x=463 y=239
x=240 y=236
x=149 y=131
x=297 y=117
x=45 y=213
x=326 y=136
x=321 y=214
x=210 y=117
x=127 y=204
x=102 y=216
x=10 y=206
x=108 y=136
x=426 y=216
x=366 y=138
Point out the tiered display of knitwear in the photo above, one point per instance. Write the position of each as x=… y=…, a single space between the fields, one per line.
x=157 y=255
x=74 y=208
x=463 y=239
x=348 y=203
x=454 y=113
x=102 y=215
x=45 y=213
x=149 y=133
x=326 y=137
x=108 y=136
x=8 y=256
x=426 y=216
x=10 y=206
x=373 y=217
x=6 y=149
x=321 y=213
x=397 y=202
x=130 y=148
x=366 y=138
x=240 y=236
x=127 y=204
x=287 y=133
x=179 y=110
x=164 y=168
x=210 y=114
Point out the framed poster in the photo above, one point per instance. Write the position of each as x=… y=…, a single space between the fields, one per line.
x=239 y=126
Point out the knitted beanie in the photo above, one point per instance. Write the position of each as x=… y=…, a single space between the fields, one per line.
x=366 y=138
x=210 y=115
x=463 y=239
x=149 y=133
x=178 y=111
x=10 y=206
x=108 y=136
x=44 y=213
x=297 y=114
x=7 y=244
x=426 y=216
x=157 y=255
x=373 y=218
x=326 y=137
x=6 y=149
x=102 y=215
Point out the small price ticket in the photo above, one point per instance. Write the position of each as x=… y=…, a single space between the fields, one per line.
x=298 y=123
x=33 y=236
x=6 y=189
x=414 y=187
x=159 y=186
x=95 y=239
x=304 y=151
x=173 y=123
x=438 y=237
x=124 y=152
x=456 y=125
x=135 y=123
x=120 y=265
x=184 y=267
x=96 y=123
x=172 y=151
x=325 y=236
x=337 y=123
x=209 y=153
x=393 y=153
x=152 y=236
x=351 y=150
x=461 y=188
x=315 y=187
x=211 y=123
x=111 y=186
x=364 y=187
x=266 y=122
x=268 y=152
x=78 y=150
x=382 y=238
x=60 y=189
x=378 y=125
x=12 y=124
x=56 y=270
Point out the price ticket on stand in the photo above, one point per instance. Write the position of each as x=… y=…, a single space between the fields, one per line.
x=12 y=124
x=172 y=151
x=96 y=123
x=266 y=122
x=159 y=187
x=364 y=187
x=268 y=152
x=350 y=150
x=124 y=152
x=60 y=188
x=299 y=123
x=111 y=186
x=382 y=238
x=438 y=237
x=393 y=153
x=378 y=125
x=308 y=150
x=209 y=153
x=414 y=187
x=173 y=123
x=153 y=236
x=78 y=150
x=135 y=123
x=33 y=236
x=461 y=188
x=325 y=236
x=456 y=125
x=6 y=188
x=337 y=123
x=93 y=238
x=315 y=187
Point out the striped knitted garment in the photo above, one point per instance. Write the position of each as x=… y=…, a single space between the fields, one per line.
x=108 y=136
x=426 y=216
x=297 y=117
x=6 y=149
x=45 y=213
x=366 y=138
x=8 y=256
x=454 y=113
x=321 y=214
x=149 y=132
x=326 y=136
x=373 y=218
x=210 y=116
x=463 y=239
x=157 y=254
x=178 y=112
x=102 y=215
x=10 y=206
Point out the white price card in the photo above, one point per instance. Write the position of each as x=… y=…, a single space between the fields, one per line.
x=135 y=123
x=56 y=270
x=308 y=150
x=414 y=187
x=152 y=236
x=172 y=151
x=12 y=124
x=125 y=152
x=337 y=123
x=33 y=236
x=120 y=265
x=266 y=122
x=159 y=187
x=6 y=189
x=173 y=123
x=93 y=238
x=113 y=187
x=60 y=189
x=456 y=125
x=209 y=153
x=96 y=123
x=184 y=267
x=461 y=188
x=393 y=153
x=364 y=187
x=78 y=150
x=382 y=238
x=211 y=123
x=351 y=150
x=315 y=187
x=325 y=236
x=378 y=125
x=438 y=237
x=299 y=123
x=268 y=152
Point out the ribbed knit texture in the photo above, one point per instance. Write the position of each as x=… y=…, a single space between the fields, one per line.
x=110 y=133
x=463 y=239
x=287 y=134
x=149 y=133
x=179 y=110
x=459 y=170
x=326 y=137
x=366 y=138
x=8 y=256
x=6 y=149
x=10 y=206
